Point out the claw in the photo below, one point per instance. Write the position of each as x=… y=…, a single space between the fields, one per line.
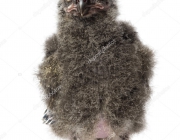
x=48 y=118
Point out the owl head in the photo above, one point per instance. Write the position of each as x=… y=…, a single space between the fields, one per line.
x=85 y=8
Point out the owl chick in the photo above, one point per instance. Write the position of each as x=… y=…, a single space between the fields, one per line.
x=95 y=73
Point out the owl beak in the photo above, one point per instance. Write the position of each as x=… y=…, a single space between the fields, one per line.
x=82 y=6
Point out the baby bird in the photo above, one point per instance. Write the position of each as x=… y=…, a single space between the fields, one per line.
x=95 y=73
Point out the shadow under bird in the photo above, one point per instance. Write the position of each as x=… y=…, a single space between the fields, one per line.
x=95 y=75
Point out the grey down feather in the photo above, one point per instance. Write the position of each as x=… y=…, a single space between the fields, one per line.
x=95 y=73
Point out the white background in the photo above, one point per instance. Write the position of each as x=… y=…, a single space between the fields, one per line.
x=25 y=25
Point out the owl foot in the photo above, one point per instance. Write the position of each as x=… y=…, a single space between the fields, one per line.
x=48 y=118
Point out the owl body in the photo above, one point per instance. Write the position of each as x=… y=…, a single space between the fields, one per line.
x=103 y=71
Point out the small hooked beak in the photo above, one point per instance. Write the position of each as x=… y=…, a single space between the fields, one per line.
x=81 y=6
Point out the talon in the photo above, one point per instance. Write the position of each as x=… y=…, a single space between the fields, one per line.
x=48 y=118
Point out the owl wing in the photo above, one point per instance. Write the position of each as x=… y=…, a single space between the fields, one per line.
x=146 y=55
x=50 y=72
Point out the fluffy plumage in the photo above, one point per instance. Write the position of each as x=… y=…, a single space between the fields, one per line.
x=103 y=71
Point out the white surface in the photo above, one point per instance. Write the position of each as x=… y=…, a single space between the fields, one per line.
x=24 y=26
